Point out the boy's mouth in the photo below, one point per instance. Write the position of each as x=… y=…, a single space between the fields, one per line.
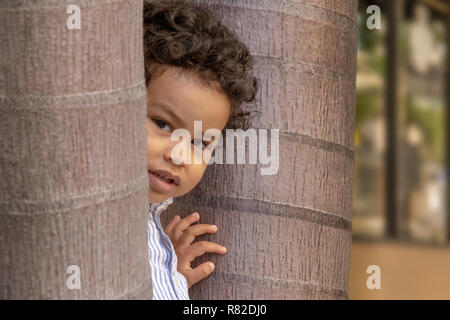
x=163 y=180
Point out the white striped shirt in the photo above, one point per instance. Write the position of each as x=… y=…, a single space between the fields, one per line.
x=168 y=283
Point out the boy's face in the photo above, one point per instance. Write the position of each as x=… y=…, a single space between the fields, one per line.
x=174 y=101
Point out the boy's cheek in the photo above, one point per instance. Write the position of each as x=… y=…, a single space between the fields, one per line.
x=207 y=154
x=202 y=172
x=194 y=178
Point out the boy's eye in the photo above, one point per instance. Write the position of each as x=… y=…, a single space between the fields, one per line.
x=198 y=143
x=162 y=124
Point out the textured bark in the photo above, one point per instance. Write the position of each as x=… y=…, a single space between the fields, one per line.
x=74 y=185
x=288 y=235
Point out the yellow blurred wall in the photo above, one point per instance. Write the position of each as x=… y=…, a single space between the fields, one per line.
x=408 y=271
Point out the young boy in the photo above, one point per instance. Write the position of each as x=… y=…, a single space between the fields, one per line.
x=196 y=70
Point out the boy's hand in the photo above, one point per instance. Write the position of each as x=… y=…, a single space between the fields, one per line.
x=182 y=234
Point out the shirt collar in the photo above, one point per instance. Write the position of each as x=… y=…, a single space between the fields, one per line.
x=160 y=206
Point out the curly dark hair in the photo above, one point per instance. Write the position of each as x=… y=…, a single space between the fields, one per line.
x=182 y=34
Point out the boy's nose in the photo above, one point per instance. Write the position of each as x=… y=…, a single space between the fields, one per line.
x=175 y=158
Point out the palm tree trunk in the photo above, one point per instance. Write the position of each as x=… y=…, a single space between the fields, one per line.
x=74 y=185
x=288 y=235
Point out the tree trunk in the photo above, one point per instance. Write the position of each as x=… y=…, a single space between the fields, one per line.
x=74 y=184
x=288 y=235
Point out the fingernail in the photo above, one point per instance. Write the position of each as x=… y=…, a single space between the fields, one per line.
x=214 y=227
x=211 y=265
x=195 y=215
x=224 y=249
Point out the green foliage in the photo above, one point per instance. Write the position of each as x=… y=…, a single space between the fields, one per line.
x=431 y=119
x=367 y=105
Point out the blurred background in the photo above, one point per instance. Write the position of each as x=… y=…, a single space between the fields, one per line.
x=400 y=210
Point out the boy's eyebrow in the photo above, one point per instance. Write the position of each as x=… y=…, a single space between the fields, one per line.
x=166 y=108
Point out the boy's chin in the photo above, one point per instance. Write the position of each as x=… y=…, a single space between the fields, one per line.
x=155 y=197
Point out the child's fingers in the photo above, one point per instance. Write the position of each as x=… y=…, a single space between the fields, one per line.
x=193 y=231
x=169 y=228
x=184 y=223
x=199 y=248
x=199 y=273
